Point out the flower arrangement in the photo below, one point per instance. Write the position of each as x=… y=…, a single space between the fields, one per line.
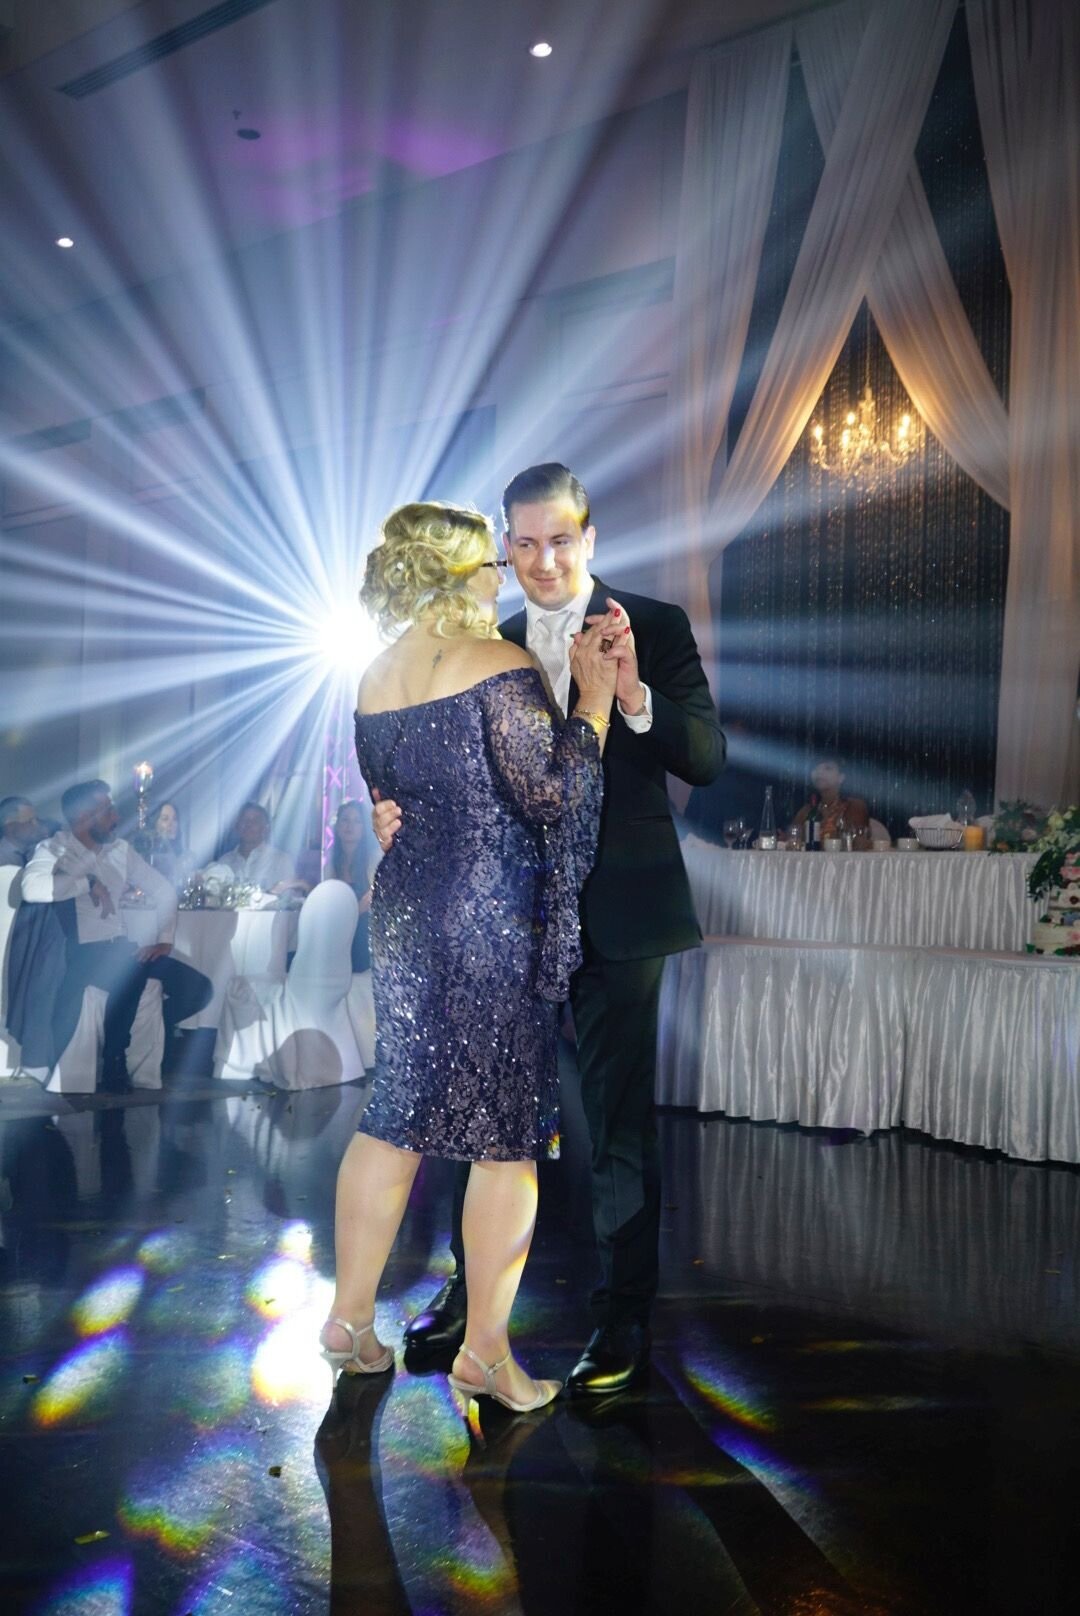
x=1058 y=850
x=1017 y=827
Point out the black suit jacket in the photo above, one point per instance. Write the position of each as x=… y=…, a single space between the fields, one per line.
x=636 y=903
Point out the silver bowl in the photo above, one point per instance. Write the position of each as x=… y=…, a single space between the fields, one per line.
x=940 y=838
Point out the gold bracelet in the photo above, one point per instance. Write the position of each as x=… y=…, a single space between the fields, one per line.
x=593 y=719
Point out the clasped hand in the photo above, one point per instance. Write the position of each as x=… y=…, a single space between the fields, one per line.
x=618 y=636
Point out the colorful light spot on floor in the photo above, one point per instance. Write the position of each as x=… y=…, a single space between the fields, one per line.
x=183 y=1508
x=728 y=1393
x=213 y=1386
x=279 y=1288
x=286 y=1367
x=101 y=1590
x=244 y=1582
x=83 y=1385
x=877 y=1403
x=295 y=1241
x=108 y=1303
x=165 y=1252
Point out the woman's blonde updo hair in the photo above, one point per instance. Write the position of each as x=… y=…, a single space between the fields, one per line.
x=421 y=570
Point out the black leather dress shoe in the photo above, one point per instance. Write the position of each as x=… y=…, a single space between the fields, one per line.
x=615 y=1358
x=440 y=1328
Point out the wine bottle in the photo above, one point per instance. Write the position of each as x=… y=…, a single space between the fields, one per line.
x=767 y=828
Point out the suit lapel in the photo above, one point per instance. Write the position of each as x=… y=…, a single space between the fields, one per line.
x=514 y=629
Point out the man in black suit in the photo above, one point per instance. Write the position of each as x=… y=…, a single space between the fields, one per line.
x=636 y=906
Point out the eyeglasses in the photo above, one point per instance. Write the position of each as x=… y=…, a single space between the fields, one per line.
x=500 y=564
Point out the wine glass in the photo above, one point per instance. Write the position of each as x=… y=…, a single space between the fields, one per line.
x=732 y=828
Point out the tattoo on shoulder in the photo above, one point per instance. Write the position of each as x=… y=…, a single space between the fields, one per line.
x=436 y=659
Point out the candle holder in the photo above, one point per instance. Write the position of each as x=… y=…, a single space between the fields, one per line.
x=144 y=779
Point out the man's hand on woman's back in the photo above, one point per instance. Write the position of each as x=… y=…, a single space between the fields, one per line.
x=385 y=821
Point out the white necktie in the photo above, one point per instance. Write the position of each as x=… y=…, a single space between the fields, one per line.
x=549 y=640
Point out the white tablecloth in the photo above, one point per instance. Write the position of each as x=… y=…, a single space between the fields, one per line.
x=932 y=900
x=981 y=1049
x=223 y=944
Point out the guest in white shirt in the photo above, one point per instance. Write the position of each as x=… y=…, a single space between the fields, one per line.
x=20 y=830
x=85 y=870
x=254 y=858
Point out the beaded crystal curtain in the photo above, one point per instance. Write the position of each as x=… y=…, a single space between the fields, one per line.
x=869 y=625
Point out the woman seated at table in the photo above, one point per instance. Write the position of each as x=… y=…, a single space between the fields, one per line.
x=350 y=861
x=835 y=811
x=168 y=851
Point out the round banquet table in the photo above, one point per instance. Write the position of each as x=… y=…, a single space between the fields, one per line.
x=224 y=944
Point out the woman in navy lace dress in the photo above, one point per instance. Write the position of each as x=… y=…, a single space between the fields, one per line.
x=474 y=926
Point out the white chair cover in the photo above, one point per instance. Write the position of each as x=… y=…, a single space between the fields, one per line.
x=316 y=1029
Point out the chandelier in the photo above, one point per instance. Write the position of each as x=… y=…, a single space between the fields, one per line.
x=859 y=444
x=862 y=449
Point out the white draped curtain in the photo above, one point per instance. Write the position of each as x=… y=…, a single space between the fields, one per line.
x=735 y=116
x=1026 y=60
x=870 y=71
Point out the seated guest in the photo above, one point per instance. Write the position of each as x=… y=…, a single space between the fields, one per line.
x=350 y=861
x=20 y=830
x=89 y=864
x=254 y=858
x=833 y=806
x=167 y=850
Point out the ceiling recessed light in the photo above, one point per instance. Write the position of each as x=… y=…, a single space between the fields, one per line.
x=541 y=48
x=64 y=241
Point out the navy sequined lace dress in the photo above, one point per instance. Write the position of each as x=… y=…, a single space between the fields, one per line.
x=474 y=917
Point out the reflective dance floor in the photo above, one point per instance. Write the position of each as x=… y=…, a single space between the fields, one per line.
x=864 y=1395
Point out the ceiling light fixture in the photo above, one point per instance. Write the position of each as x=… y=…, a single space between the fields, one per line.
x=541 y=48
x=64 y=241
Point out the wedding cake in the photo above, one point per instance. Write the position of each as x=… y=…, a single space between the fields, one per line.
x=1058 y=930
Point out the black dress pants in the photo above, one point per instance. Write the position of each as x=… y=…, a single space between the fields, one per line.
x=615 y=1005
x=116 y=967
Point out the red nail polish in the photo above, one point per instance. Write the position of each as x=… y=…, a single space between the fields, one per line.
x=626 y=630
x=618 y=611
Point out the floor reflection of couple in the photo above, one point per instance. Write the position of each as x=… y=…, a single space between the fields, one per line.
x=491 y=777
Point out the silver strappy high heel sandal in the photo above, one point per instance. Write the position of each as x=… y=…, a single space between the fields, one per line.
x=546 y=1390
x=351 y=1362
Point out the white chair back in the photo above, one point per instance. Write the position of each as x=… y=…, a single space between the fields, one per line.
x=301 y=1035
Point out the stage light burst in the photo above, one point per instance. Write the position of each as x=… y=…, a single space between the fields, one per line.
x=182 y=554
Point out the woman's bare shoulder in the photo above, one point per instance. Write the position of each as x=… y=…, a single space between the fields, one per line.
x=501 y=656
x=372 y=678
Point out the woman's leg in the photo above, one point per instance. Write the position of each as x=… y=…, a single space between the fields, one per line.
x=373 y=1186
x=497 y=1226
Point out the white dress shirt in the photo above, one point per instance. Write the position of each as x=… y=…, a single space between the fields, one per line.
x=548 y=635
x=62 y=868
x=265 y=866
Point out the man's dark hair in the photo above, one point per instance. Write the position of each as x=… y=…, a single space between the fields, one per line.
x=256 y=807
x=549 y=481
x=10 y=806
x=81 y=799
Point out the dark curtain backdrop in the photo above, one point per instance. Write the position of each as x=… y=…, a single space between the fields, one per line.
x=870 y=627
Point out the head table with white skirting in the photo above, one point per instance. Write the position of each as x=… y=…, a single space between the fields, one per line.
x=870 y=990
x=930 y=900
x=223 y=944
